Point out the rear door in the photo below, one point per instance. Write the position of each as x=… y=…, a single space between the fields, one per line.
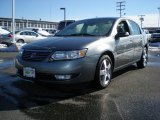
x=28 y=36
x=33 y=36
x=25 y=36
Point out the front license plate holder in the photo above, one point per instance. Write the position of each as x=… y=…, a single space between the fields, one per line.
x=29 y=72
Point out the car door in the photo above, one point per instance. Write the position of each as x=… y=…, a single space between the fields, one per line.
x=33 y=36
x=25 y=35
x=29 y=37
x=137 y=38
x=124 y=46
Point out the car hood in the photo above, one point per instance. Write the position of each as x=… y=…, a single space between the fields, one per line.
x=61 y=43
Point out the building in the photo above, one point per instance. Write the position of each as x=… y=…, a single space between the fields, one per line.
x=25 y=23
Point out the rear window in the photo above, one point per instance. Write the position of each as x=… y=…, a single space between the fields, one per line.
x=135 y=28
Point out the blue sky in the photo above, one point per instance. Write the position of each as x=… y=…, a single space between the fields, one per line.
x=49 y=10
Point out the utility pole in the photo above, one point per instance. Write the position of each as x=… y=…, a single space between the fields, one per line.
x=141 y=19
x=120 y=7
x=159 y=17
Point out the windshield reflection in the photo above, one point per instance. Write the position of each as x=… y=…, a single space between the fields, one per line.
x=90 y=27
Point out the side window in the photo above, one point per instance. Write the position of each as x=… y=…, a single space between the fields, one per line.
x=123 y=27
x=23 y=33
x=135 y=28
x=33 y=34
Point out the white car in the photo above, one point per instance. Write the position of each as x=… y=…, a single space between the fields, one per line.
x=148 y=35
x=3 y=31
x=27 y=36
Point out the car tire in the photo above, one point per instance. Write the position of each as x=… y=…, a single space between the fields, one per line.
x=103 y=72
x=144 y=59
x=20 y=41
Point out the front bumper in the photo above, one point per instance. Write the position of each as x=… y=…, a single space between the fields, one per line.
x=81 y=70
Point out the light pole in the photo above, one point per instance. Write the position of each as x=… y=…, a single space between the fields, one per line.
x=13 y=22
x=159 y=16
x=64 y=9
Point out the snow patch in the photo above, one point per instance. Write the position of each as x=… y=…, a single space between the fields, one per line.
x=15 y=47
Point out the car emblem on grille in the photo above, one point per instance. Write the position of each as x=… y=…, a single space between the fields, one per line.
x=33 y=55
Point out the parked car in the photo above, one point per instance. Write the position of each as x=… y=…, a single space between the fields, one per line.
x=4 y=31
x=155 y=37
x=27 y=36
x=148 y=35
x=6 y=39
x=51 y=31
x=5 y=36
x=88 y=50
x=41 y=32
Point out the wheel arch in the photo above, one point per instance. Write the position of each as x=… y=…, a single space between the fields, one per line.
x=110 y=54
x=21 y=40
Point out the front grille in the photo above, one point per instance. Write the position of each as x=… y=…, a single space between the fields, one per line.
x=35 y=55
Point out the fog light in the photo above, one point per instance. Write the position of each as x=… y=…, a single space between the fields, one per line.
x=63 y=77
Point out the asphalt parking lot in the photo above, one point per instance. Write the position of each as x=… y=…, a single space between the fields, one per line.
x=134 y=94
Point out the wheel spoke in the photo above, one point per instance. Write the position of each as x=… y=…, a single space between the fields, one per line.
x=109 y=75
x=108 y=66
x=104 y=63
x=105 y=79
x=102 y=72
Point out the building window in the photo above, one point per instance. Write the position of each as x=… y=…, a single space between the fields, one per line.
x=5 y=23
x=1 y=23
x=39 y=25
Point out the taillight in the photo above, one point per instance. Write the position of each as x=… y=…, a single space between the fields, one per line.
x=10 y=36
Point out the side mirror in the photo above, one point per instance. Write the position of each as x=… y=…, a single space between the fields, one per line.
x=121 y=34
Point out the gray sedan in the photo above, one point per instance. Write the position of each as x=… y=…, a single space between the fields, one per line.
x=86 y=51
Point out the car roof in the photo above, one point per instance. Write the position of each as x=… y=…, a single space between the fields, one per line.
x=103 y=18
x=27 y=31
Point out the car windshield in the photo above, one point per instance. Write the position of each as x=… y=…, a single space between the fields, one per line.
x=63 y=24
x=91 y=27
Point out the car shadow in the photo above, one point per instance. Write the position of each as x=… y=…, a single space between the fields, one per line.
x=24 y=94
x=125 y=70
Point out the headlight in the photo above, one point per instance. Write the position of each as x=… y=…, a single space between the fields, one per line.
x=67 y=55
